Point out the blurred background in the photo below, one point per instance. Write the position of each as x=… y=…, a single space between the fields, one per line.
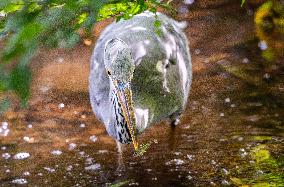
x=231 y=133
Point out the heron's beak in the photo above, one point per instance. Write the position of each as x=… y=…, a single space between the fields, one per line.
x=124 y=94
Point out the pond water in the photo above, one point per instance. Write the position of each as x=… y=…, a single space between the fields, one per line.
x=231 y=132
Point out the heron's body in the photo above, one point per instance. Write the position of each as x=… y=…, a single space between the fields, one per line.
x=161 y=79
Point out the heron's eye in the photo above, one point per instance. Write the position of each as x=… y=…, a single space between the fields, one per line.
x=108 y=72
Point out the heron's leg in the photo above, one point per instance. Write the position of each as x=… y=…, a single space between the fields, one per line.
x=120 y=167
x=175 y=119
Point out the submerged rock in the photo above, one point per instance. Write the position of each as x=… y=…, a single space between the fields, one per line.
x=93 y=138
x=56 y=152
x=259 y=172
x=6 y=156
x=28 y=139
x=189 y=177
x=102 y=151
x=69 y=168
x=245 y=60
x=89 y=161
x=93 y=167
x=190 y=157
x=26 y=173
x=72 y=146
x=21 y=156
x=197 y=51
x=4 y=130
x=243 y=152
x=227 y=100
x=262 y=45
x=177 y=153
x=51 y=170
x=20 y=181
x=224 y=171
x=30 y=126
x=225 y=183
x=175 y=161
x=183 y=10
x=188 y=2
x=82 y=125
x=133 y=184
x=61 y=105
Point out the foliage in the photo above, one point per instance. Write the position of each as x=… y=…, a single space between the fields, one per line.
x=119 y=184
x=269 y=21
x=265 y=162
x=26 y=25
x=4 y=105
x=268 y=169
x=243 y=2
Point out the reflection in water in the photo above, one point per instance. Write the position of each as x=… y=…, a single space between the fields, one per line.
x=230 y=134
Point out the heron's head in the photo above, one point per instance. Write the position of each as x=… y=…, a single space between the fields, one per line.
x=120 y=66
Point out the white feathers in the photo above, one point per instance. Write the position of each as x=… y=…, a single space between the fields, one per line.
x=146 y=14
x=161 y=67
x=96 y=65
x=147 y=42
x=139 y=52
x=142 y=117
x=183 y=72
x=182 y=25
x=138 y=28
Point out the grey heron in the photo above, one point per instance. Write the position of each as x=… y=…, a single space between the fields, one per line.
x=139 y=76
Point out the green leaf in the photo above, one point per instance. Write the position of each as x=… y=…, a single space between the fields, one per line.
x=4 y=79
x=33 y=7
x=4 y=3
x=135 y=9
x=82 y=18
x=119 y=184
x=21 y=42
x=20 y=82
x=4 y=105
x=154 y=9
x=2 y=25
x=157 y=23
x=13 y=8
x=243 y=2
x=236 y=181
x=110 y=10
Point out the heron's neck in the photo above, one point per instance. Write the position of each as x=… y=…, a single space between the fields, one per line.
x=118 y=119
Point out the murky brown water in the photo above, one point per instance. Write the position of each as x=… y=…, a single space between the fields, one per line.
x=230 y=134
